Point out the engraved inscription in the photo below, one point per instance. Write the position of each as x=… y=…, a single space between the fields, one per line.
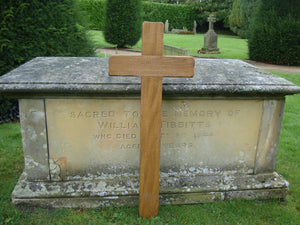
x=89 y=114
x=181 y=118
x=107 y=131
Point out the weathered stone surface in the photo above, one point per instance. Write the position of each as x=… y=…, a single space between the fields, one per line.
x=210 y=38
x=61 y=76
x=166 y=28
x=210 y=41
x=80 y=129
x=98 y=136
x=269 y=136
x=116 y=190
x=34 y=138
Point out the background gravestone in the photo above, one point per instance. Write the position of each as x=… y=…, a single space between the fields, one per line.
x=166 y=26
x=195 y=27
x=210 y=38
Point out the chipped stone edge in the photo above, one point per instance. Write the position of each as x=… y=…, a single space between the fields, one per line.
x=124 y=191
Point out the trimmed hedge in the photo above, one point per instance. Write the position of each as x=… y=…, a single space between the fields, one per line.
x=94 y=13
x=179 y=16
x=123 y=22
x=275 y=33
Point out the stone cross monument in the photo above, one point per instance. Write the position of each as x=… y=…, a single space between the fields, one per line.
x=152 y=66
x=210 y=38
x=211 y=19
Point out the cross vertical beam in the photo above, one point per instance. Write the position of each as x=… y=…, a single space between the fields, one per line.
x=151 y=67
x=151 y=98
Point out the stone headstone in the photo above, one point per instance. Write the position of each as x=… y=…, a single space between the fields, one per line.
x=80 y=132
x=210 y=38
x=195 y=27
x=166 y=26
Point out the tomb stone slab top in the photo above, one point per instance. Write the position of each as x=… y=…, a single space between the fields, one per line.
x=88 y=76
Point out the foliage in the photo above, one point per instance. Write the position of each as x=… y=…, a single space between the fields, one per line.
x=94 y=13
x=31 y=28
x=179 y=16
x=123 y=22
x=230 y=212
x=165 y=1
x=8 y=110
x=220 y=8
x=275 y=32
x=240 y=16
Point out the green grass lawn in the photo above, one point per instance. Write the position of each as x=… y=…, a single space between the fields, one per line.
x=271 y=211
x=231 y=47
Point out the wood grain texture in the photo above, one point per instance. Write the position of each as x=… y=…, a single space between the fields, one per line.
x=152 y=38
x=151 y=66
x=150 y=132
x=151 y=97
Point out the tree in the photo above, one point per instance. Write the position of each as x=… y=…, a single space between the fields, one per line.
x=31 y=28
x=123 y=22
x=240 y=16
x=275 y=32
x=220 y=8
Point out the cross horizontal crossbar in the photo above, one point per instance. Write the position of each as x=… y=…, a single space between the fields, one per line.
x=151 y=66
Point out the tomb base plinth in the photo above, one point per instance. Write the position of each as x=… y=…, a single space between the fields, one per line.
x=174 y=189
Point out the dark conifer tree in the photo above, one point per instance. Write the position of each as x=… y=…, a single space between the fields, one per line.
x=123 y=22
x=274 y=35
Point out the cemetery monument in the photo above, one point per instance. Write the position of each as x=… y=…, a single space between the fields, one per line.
x=195 y=27
x=167 y=26
x=210 y=38
x=81 y=130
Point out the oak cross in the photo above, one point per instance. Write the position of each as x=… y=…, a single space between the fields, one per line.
x=151 y=67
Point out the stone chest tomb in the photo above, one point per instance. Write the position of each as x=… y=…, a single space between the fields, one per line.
x=80 y=133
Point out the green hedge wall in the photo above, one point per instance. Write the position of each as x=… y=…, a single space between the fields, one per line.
x=94 y=13
x=177 y=15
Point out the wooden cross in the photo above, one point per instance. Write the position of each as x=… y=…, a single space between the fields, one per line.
x=151 y=66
